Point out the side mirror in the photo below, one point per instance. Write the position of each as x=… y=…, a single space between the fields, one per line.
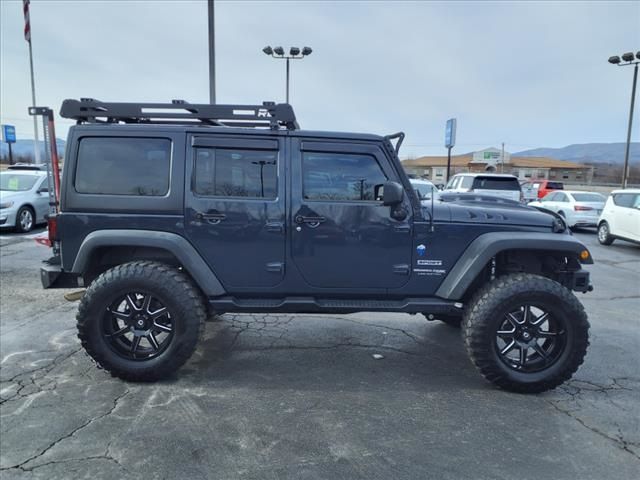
x=392 y=194
x=43 y=190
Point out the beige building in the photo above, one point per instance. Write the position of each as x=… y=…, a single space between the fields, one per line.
x=490 y=160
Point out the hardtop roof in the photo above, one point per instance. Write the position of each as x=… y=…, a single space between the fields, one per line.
x=221 y=130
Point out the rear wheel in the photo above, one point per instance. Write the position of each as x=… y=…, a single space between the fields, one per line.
x=141 y=321
x=604 y=235
x=526 y=333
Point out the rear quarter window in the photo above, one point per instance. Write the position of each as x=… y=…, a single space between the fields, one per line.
x=123 y=166
x=496 y=183
x=623 y=199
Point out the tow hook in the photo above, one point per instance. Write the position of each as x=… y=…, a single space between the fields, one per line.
x=74 y=296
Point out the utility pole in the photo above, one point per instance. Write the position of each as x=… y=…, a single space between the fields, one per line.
x=212 y=54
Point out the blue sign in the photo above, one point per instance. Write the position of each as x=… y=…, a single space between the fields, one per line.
x=450 y=133
x=8 y=133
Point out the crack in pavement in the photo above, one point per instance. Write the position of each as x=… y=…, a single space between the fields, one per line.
x=624 y=445
x=33 y=379
x=577 y=387
x=237 y=323
x=23 y=465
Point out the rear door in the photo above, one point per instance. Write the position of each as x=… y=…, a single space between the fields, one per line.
x=234 y=208
x=342 y=235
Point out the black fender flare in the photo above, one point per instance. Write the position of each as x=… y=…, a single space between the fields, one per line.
x=482 y=249
x=177 y=245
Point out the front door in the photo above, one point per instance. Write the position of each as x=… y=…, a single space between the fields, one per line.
x=234 y=208
x=342 y=236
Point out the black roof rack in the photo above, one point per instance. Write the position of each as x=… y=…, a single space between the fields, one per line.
x=269 y=114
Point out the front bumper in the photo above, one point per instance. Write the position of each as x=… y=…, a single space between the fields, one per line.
x=52 y=276
x=7 y=218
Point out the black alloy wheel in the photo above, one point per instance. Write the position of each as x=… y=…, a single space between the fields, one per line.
x=530 y=339
x=138 y=326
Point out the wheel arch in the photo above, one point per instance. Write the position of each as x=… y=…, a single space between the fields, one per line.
x=103 y=249
x=531 y=251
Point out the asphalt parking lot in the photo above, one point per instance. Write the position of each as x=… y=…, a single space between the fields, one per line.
x=301 y=396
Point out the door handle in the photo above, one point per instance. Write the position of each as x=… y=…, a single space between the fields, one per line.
x=211 y=218
x=313 y=222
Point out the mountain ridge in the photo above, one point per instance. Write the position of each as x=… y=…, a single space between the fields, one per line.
x=610 y=153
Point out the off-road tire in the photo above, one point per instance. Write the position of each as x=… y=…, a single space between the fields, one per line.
x=176 y=291
x=604 y=234
x=483 y=318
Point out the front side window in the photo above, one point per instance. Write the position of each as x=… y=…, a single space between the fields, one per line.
x=123 y=166
x=467 y=182
x=221 y=172
x=337 y=176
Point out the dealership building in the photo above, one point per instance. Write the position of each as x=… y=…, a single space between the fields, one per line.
x=490 y=160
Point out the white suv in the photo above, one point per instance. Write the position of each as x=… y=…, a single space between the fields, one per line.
x=497 y=185
x=620 y=217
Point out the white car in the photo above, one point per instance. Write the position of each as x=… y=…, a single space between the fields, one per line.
x=620 y=217
x=24 y=199
x=579 y=209
x=424 y=188
x=493 y=184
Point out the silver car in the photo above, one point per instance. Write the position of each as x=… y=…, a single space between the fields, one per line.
x=24 y=199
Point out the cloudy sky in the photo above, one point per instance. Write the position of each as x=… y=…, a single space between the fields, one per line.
x=529 y=74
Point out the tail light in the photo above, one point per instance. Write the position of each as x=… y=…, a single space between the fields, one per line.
x=580 y=208
x=52 y=224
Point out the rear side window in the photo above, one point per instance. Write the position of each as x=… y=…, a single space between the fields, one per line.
x=623 y=199
x=496 y=183
x=588 y=197
x=123 y=166
x=337 y=176
x=236 y=173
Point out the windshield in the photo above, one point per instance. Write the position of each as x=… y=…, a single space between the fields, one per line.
x=588 y=197
x=16 y=182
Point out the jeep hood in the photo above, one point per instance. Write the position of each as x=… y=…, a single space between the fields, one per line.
x=488 y=213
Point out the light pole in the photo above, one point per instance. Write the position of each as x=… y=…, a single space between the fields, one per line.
x=294 y=54
x=628 y=59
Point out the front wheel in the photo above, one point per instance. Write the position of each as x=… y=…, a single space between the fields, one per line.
x=25 y=219
x=604 y=235
x=526 y=333
x=141 y=320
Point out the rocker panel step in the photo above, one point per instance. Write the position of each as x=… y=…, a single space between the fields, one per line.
x=333 y=305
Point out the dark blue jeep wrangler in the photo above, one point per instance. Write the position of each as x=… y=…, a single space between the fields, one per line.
x=171 y=211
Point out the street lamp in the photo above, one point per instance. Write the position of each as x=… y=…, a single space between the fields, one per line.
x=294 y=54
x=628 y=59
